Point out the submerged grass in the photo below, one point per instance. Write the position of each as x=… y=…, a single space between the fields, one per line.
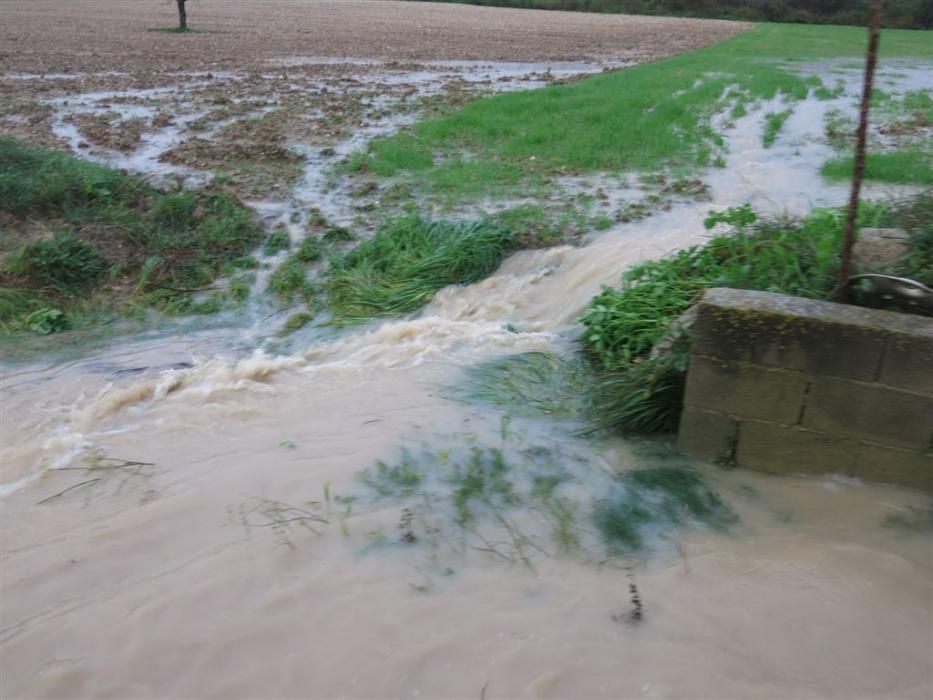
x=531 y=384
x=407 y=261
x=645 y=501
x=519 y=501
x=643 y=118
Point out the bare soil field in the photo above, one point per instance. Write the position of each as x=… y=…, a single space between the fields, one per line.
x=40 y=36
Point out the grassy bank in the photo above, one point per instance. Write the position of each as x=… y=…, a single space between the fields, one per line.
x=649 y=117
x=80 y=237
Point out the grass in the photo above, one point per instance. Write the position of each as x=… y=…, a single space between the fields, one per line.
x=295 y=323
x=407 y=261
x=277 y=241
x=114 y=237
x=774 y=122
x=906 y=166
x=645 y=118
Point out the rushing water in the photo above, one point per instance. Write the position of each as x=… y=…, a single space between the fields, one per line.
x=170 y=578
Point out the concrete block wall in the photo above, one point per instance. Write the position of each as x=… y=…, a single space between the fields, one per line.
x=795 y=386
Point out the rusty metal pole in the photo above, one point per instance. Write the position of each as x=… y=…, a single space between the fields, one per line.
x=858 y=172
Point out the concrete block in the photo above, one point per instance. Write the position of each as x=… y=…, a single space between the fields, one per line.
x=870 y=412
x=908 y=362
x=707 y=434
x=888 y=465
x=744 y=390
x=800 y=343
x=794 y=450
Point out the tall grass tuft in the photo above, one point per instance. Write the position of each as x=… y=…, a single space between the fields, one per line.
x=400 y=269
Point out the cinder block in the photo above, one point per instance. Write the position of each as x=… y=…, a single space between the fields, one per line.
x=745 y=390
x=908 y=361
x=794 y=450
x=707 y=434
x=812 y=345
x=870 y=412
x=888 y=465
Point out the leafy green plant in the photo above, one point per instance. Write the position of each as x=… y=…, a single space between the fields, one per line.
x=46 y=320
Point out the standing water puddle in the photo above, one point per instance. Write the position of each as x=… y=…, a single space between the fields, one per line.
x=165 y=500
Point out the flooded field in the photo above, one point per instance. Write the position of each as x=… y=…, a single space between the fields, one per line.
x=206 y=510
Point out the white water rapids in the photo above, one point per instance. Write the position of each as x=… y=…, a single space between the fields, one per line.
x=145 y=583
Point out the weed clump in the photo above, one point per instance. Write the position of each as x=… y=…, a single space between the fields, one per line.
x=407 y=261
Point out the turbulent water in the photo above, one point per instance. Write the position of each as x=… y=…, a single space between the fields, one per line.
x=156 y=496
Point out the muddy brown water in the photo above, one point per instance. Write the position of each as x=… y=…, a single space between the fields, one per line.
x=165 y=577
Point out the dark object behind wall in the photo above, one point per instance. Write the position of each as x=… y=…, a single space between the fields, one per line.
x=902 y=14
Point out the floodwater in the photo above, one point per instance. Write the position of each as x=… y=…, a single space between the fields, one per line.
x=156 y=493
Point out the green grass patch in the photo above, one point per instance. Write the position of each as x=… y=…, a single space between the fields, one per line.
x=649 y=117
x=277 y=241
x=290 y=281
x=407 y=261
x=912 y=166
x=774 y=122
x=116 y=237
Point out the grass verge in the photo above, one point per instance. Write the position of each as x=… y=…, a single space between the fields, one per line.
x=76 y=231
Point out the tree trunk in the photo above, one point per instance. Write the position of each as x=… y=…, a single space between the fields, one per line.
x=858 y=172
x=182 y=15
